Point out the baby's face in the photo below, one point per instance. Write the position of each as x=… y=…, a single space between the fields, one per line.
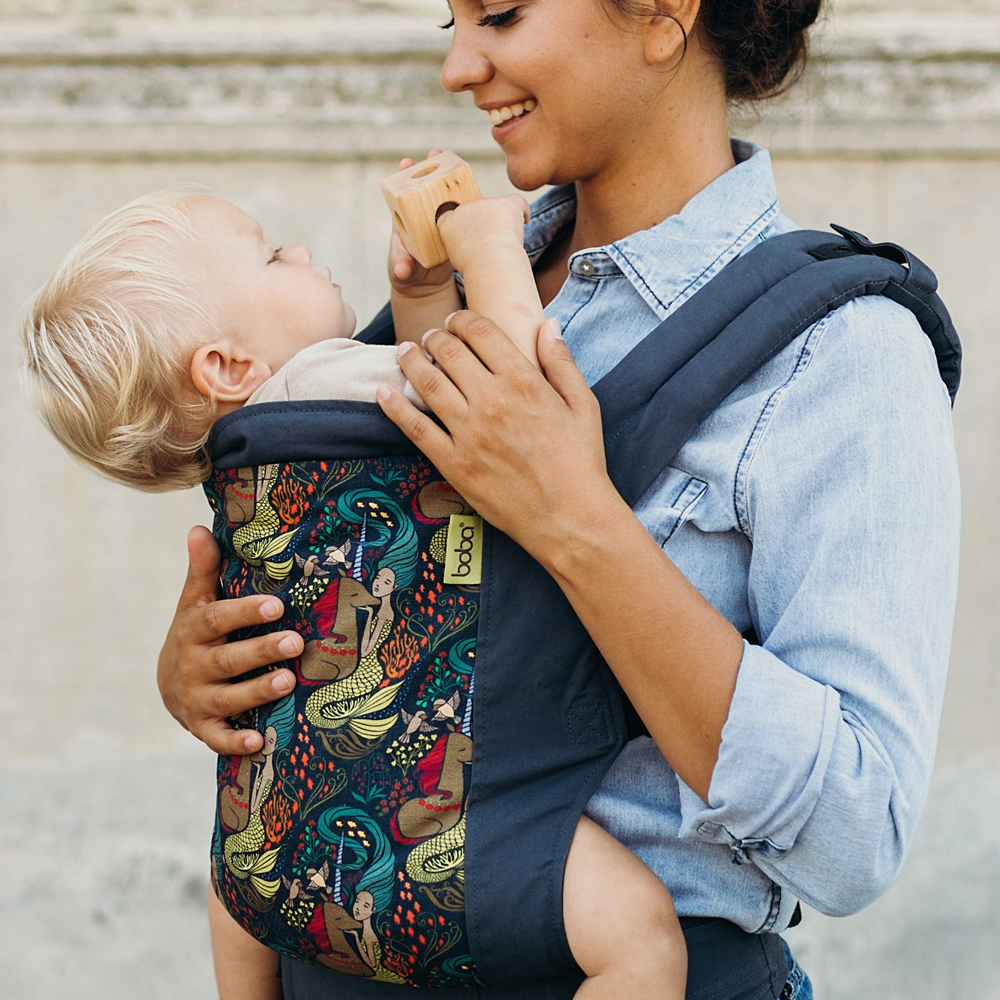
x=273 y=301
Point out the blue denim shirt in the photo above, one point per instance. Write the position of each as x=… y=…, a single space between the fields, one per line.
x=820 y=504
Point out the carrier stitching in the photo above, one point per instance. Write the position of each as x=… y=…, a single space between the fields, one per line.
x=599 y=770
x=479 y=753
x=263 y=409
x=590 y=729
x=767 y=962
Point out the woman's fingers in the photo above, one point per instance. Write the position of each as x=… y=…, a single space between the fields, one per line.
x=436 y=387
x=487 y=341
x=452 y=356
x=418 y=427
x=560 y=368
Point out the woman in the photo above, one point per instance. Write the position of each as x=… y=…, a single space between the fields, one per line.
x=378 y=627
x=818 y=506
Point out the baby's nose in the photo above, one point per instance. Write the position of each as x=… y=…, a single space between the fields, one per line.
x=299 y=253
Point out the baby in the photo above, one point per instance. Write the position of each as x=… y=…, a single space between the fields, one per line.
x=178 y=309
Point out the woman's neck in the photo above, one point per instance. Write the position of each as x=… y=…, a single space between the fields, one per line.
x=650 y=185
x=617 y=203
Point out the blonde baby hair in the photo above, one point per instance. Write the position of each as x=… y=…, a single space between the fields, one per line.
x=108 y=342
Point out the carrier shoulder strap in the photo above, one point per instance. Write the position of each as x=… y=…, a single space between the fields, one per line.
x=657 y=396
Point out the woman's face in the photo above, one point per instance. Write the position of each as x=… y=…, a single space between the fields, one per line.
x=582 y=65
x=384 y=583
x=364 y=904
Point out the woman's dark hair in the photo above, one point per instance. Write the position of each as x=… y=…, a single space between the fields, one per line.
x=762 y=44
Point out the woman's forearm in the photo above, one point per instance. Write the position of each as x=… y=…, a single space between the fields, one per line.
x=674 y=655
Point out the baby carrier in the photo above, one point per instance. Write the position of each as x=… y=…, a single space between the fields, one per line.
x=409 y=816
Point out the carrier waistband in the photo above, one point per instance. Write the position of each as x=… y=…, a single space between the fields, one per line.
x=724 y=963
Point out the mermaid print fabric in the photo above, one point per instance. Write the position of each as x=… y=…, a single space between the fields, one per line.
x=342 y=841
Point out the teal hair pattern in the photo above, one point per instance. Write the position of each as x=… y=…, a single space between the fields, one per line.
x=385 y=524
x=365 y=848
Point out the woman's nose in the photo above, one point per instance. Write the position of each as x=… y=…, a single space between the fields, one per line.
x=464 y=66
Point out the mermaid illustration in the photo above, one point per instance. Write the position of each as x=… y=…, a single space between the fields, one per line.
x=323 y=843
x=378 y=627
x=351 y=701
x=240 y=805
x=360 y=846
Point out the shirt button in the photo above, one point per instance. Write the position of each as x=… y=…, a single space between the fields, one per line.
x=586 y=267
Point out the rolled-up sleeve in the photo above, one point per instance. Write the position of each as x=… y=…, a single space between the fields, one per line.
x=849 y=493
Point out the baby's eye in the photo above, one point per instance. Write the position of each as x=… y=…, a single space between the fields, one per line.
x=276 y=255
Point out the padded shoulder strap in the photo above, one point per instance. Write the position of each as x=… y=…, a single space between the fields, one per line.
x=657 y=396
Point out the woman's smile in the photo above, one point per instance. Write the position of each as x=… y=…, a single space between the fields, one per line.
x=501 y=114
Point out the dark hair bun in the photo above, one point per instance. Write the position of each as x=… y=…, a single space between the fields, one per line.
x=762 y=43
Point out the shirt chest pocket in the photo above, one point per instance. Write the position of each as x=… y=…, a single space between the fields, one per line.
x=670 y=501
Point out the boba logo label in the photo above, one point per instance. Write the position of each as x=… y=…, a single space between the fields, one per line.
x=464 y=557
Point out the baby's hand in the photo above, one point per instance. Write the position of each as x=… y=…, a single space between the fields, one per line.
x=483 y=225
x=407 y=276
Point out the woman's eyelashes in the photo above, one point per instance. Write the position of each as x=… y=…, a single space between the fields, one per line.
x=500 y=20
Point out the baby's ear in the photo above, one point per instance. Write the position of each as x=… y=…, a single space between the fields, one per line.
x=222 y=373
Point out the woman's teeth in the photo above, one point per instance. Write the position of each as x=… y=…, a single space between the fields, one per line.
x=500 y=115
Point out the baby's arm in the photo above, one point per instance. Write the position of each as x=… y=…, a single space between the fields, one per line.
x=244 y=968
x=421 y=298
x=485 y=242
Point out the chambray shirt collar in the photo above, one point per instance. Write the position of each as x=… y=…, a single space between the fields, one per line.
x=668 y=263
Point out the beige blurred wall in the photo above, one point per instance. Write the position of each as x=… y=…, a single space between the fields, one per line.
x=105 y=805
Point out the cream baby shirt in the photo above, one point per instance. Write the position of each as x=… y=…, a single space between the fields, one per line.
x=337 y=369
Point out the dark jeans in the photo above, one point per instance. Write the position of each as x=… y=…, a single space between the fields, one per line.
x=798 y=986
x=724 y=963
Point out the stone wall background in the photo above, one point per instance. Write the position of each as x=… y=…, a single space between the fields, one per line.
x=296 y=110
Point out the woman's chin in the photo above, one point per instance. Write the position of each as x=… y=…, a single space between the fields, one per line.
x=528 y=174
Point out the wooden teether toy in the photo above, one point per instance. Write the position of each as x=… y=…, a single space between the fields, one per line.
x=418 y=195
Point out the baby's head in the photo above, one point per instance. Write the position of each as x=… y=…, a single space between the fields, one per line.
x=166 y=315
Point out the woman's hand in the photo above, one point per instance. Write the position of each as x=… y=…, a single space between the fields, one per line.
x=524 y=448
x=197 y=662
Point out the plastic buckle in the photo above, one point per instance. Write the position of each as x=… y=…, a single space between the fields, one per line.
x=918 y=273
